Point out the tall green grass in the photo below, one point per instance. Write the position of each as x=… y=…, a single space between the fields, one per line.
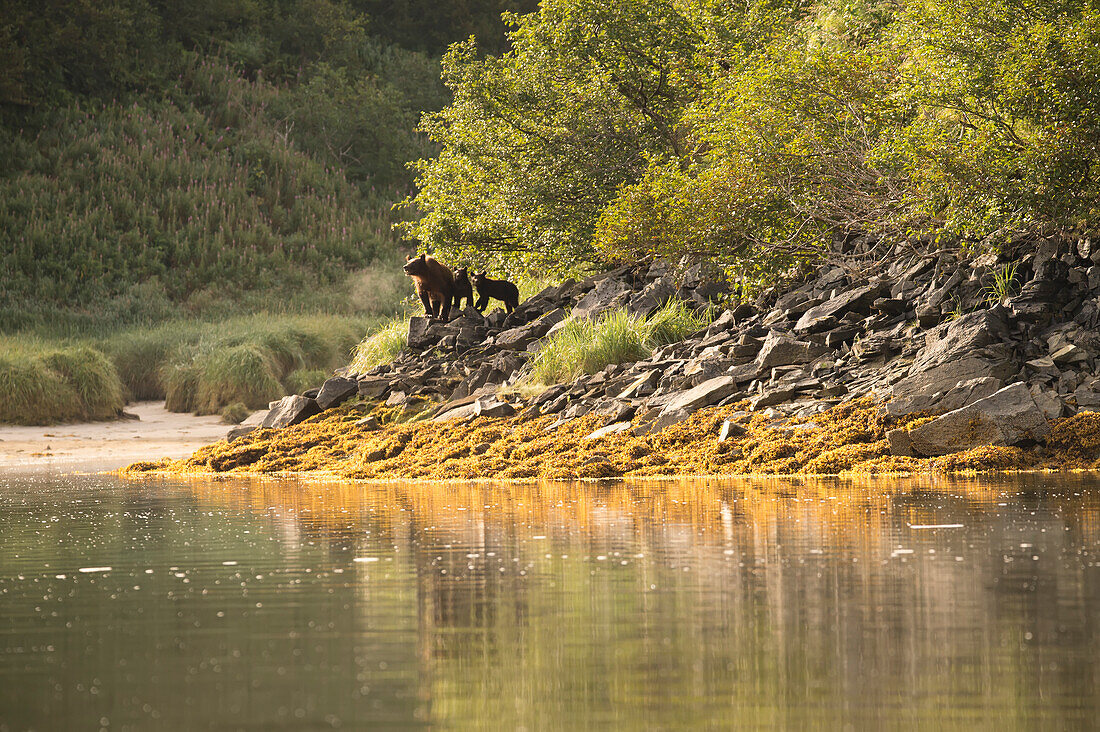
x=195 y=366
x=43 y=385
x=586 y=346
x=381 y=346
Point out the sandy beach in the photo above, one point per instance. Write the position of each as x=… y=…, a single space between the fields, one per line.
x=155 y=434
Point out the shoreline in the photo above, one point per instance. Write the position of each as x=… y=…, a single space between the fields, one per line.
x=157 y=433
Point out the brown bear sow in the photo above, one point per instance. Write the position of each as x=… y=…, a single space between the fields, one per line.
x=434 y=284
x=502 y=290
x=463 y=289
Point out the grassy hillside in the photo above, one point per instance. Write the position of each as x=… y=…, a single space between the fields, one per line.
x=130 y=208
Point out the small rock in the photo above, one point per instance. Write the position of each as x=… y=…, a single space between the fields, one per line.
x=610 y=429
x=730 y=429
x=493 y=408
x=369 y=423
x=900 y=442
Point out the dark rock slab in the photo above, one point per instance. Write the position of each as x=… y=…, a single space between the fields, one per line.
x=493 y=407
x=824 y=316
x=290 y=410
x=336 y=391
x=961 y=337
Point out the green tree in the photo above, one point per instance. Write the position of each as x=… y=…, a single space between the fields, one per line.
x=537 y=141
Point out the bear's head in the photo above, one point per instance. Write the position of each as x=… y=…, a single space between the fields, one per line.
x=479 y=278
x=416 y=266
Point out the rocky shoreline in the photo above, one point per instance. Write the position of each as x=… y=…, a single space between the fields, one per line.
x=944 y=353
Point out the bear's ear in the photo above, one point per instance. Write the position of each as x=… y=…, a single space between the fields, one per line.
x=422 y=255
x=408 y=257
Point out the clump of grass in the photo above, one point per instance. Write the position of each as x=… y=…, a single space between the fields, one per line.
x=247 y=373
x=673 y=322
x=235 y=413
x=45 y=385
x=203 y=367
x=1003 y=286
x=586 y=346
x=381 y=346
x=302 y=379
x=92 y=377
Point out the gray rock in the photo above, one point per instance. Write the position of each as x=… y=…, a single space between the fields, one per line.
x=709 y=392
x=729 y=430
x=336 y=391
x=930 y=392
x=240 y=430
x=960 y=337
x=1069 y=353
x=611 y=429
x=418 y=332
x=493 y=408
x=1050 y=404
x=823 y=316
x=770 y=398
x=289 y=411
x=780 y=350
x=252 y=422
x=368 y=423
x=600 y=298
x=661 y=420
x=656 y=294
x=900 y=443
x=465 y=411
x=1008 y=417
x=642 y=386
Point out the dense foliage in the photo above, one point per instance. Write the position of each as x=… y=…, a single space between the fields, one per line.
x=757 y=133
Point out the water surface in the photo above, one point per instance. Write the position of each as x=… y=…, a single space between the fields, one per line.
x=694 y=604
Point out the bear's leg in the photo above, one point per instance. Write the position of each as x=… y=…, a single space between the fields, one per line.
x=482 y=301
x=445 y=307
x=427 y=301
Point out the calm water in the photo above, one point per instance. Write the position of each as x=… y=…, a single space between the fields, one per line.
x=696 y=604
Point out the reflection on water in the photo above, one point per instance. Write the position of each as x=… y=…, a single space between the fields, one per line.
x=692 y=604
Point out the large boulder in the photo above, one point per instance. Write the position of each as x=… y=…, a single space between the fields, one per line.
x=1007 y=417
x=974 y=334
x=603 y=297
x=419 y=337
x=945 y=388
x=289 y=411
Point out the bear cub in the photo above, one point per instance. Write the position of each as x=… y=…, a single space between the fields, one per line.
x=434 y=284
x=502 y=290
x=463 y=289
